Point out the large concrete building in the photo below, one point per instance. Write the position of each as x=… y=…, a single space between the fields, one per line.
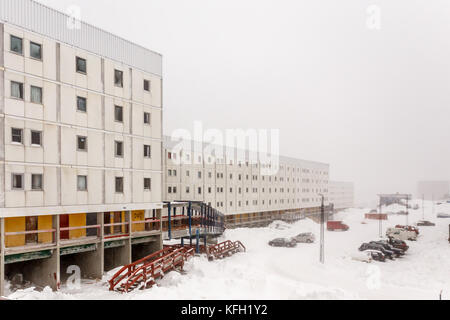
x=80 y=145
x=342 y=195
x=437 y=190
x=238 y=187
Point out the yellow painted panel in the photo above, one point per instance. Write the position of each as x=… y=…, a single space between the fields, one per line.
x=77 y=220
x=45 y=223
x=138 y=216
x=15 y=225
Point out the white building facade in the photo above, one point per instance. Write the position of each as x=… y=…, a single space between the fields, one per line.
x=241 y=188
x=80 y=131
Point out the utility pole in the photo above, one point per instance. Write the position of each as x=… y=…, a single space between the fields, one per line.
x=322 y=231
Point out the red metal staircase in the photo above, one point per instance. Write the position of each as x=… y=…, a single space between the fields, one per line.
x=143 y=274
x=225 y=249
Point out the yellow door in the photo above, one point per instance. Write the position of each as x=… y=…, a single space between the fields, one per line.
x=14 y=225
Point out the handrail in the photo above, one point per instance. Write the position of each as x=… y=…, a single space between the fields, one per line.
x=164 y=260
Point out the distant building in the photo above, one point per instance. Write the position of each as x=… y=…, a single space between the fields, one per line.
x=342 y=194
x=437 y=190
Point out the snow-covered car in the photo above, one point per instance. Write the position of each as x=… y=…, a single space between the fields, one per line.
x=362 y=257
x=424 y=223
x=305 y=238
x=443 y=215
x=401 y=234
x=387 y=246
x=409 y=228
x=281 y=242
x=378 y=247
x=399 y=244
x=376 y=255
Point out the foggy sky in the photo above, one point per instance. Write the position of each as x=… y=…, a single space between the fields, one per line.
x=373 y=104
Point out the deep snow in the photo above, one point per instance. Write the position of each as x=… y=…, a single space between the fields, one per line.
x=277 y=273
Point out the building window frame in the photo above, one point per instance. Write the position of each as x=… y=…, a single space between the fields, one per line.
x=40 y=186
x=37 y=45
x=81 y=65
x=19 y=50
x=20 y=88
x=118 y=78
x=14 y=181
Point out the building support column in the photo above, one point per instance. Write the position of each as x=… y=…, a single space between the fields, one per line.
x=2 y=257
x=129 y=244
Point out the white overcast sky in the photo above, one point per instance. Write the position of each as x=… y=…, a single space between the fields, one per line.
x=373 y=104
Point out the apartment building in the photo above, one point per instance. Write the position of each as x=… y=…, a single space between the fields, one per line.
x=239 y=188
x=80 y=145
x=342 y=194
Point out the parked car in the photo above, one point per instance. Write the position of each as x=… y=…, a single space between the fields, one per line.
x=363 y=257
x=376 y=255
x=377 y=247
x=443 y=215
x=401 y=234
x=399 y=244
x=424 y=223
x=337 y=226
x=398 y=252
x=281 y=242
x=305 y=238
x=409 y=228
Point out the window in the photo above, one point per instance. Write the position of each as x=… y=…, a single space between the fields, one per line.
x=147 y=118
x=119 y=185
x=147 y=85
x=118 y=78
x=16 y=135
x=118 y=114
x=81 y=104
x=16 y=90
x=17 y=181
x=82 y=143
x=147 y=184
x=82 y=183
x=35 y=51
x=16 y=45
x=36 y=138
x=81 y=65
x=119 y=149
x=36 y=95
x=36 y=182
x=147 y=151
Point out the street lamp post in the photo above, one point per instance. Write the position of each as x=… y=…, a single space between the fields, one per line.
x=322 y=230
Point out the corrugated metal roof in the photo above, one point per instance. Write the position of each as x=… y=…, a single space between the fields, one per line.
x=41 y=19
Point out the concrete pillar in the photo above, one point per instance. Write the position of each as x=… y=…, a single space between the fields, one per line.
x=2 y=257
x=47 y=272
x=56 y=225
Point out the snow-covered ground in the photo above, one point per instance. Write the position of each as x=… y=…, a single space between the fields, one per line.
x=277 y=273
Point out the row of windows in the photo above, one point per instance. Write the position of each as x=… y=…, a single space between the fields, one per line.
x=82 y=183
x=16 y=46
x=17 y=92
x=171 y=155
x=221 y=190
x=82 y=142
x=173 y=173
